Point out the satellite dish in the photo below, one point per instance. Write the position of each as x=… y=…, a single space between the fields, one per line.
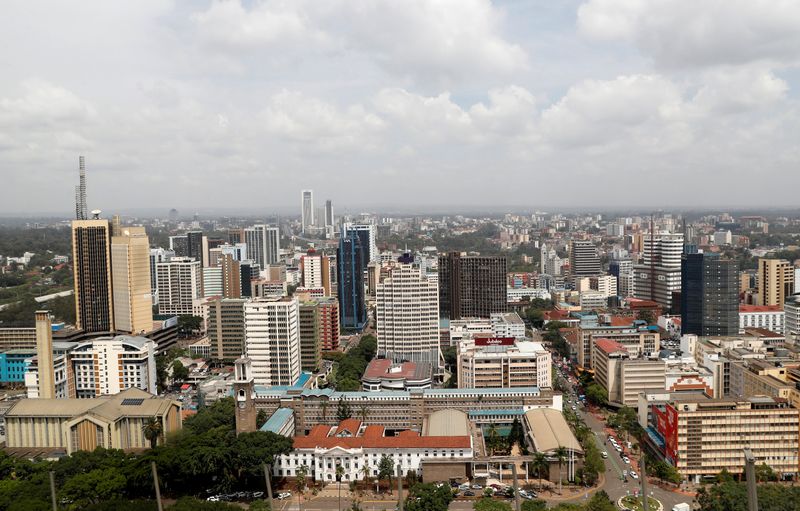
x=96 y=213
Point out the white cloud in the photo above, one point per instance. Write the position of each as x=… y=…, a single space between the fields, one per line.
x=692 y=33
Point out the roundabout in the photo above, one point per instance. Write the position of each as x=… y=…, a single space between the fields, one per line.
x=631 y=503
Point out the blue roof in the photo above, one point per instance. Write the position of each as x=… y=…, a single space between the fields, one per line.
x=277 y=420
x=478 y=413
x=301 y=382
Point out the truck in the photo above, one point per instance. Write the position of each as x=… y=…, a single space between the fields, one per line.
x=683 y=506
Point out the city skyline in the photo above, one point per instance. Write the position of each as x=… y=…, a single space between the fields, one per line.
x=457 y=96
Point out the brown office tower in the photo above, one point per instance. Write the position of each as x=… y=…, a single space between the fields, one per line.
x=225 y=324
x=231 y=277
x=91 y=260
x=471 y=286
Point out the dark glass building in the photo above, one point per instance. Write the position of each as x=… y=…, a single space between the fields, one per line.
x=472 y=286
x=709 y=295
x=352 y=257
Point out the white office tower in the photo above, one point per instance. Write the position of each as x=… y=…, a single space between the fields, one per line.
x=659 y=274
x=272 y=340
x=180 y=282
x=791 y=322
x=407 y=312
x=307 y=209
x=367 y=233
x=109 y=365
x=212 y=281
x=263 y=244
x=157 y=255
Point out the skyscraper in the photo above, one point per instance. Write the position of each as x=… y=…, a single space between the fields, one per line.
x=272 y=340
x=81 y=209
x=315 y=271
x=91 y=257
x=583 y=260
x=352 y=260
x=130 y=273
x=709 y=295
x=157 y=255
x=328 y=213
x=263 y=244
x=659 y=274
x=226 y=329
x=194 y=246
x=180 y=282
x=471 y=286
x=307 y=209
x=366 y=232
x=407 y=316
x=775 y=281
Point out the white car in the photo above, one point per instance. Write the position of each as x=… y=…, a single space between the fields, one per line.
x=284 y=495
x=626 y=460
x=633 y=474
x=604 y=454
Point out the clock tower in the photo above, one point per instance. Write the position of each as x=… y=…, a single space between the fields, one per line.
x=244 y=395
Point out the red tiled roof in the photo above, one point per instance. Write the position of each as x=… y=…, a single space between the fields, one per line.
x=760 y=308
x=635 y=303
x=373 y=437
x=621 y=320
x=350 y=425
x=555 y=315
x=379 y=368
x=609 y=345
x=761 y=332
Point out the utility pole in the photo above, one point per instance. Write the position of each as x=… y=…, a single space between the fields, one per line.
x=750 y=472
x=643 y=478
x=155 y=483
x=53 y=490
x=399 y=487
x=517 y=503
x=267 y=469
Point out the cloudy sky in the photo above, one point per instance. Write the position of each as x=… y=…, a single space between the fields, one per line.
x=469 y=103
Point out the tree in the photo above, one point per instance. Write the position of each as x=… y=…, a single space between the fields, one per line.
x=188 y=324
x=179 y=371
x=386 y=469
x=411 y=478
x=646 y=315
x=363 y=412
x=534 y=505
x=300 y=482
x=93 y=487
x=764 y=473
x=596 y=394
x=152 y=430
x=259 y=505
x=600 y=502
x=561 y=455
x=450 y=355
x=324 y=406
x=343 y=411
x=539 y=464
x=517 y=434
x=429 y=497
x=491 y=505
x=261 y=418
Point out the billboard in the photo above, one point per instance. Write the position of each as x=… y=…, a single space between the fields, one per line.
x=494 y=341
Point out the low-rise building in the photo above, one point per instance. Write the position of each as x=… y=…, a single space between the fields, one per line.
x=548 y=431
x=701 y=437
x=507 y=324
x=503 y=362
x=383 y=374
x=769 y=317
x=55 y=427
x=358 y=448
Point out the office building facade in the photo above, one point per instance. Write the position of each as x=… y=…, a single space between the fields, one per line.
x=306 y=209
x=91 y=258
x=583 y=260
x=226 y=327
x=775 y=281
x=180 y=283
x=351 y=259
x=130 y=273
x=272 y=340
x=709 y=295
x=472 y=286
x=658 y=276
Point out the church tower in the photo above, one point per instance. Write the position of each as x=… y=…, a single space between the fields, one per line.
x=244 y=394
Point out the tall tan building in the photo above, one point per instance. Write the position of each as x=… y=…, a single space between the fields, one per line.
x=130 y=271
x=231 y=277
x=91 y=256
x=44 y=355
x=775 y=281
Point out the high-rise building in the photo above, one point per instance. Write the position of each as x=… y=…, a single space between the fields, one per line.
x=249 y=271
x=658 y=276
x=179 y=245
x=583 y=260
x=231 y=277
x=472 y=286
x=81 y=208
x=775 y=281
x=130 y=273
x=272 y=340
x=194 y=246
x=91 y=256
x=212 y=281
x=351 y=258
x=44 y=355
x=226 y=328
x=310 y=345
x=791 y=322
x=328 y=213
x=367 y=233
x=307 y=209
x=157 y=255
x=407 y=316
x=180 y=283
x=263 y=244
x=315 y=271
x=709 y=295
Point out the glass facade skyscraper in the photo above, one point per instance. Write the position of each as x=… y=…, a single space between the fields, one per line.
x=351 y=260
x=709 y=295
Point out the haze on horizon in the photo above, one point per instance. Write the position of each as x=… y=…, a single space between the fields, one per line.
x=607 y=104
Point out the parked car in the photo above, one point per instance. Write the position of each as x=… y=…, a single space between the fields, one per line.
x=626 y=460
x=477 y=487
x=469 y=493
x=633 y=474
x=284 y=495
x=604 y=454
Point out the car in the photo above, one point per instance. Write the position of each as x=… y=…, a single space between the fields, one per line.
x=626 y=460
x=257 y=494
x=213 y=498
x=604 y=454
x=464 y=486
x=469 y=493
x=284 y=495
x=633 y=474
x=476 y=487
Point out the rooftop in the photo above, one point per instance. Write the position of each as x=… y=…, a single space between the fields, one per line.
x=384 y=368
x=760 y=308
x=609 y=346
x=550 y=430
x=130 y=402
x=349 y=434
